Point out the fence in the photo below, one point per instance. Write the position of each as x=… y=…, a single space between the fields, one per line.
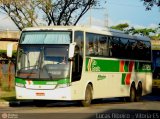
x=7 y=73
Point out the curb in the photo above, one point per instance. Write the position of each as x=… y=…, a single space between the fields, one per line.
x=4 y=104
x=15 y=103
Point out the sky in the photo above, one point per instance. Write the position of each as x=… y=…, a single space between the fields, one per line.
x=114 y=11
x=132 y=12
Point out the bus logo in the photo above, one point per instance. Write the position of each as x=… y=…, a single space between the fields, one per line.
x=92 y=66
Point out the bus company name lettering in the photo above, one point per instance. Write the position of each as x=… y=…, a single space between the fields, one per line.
x=101 y=77
x=95 y=68
x=146 y=67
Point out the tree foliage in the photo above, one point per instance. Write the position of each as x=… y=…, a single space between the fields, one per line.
x=141 y=31
x=155 y=37
x=21 y=13
x=150 y=3
x=120 y=27
x=138 y=31
x=27 y=13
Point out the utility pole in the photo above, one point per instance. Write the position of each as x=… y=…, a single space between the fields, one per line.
x=106 y=18
x=105 y=15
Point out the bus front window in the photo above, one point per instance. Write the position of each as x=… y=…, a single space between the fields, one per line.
x=43 y=62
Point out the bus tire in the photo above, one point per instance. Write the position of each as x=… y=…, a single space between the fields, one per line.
x=139 y=92
x=132 y=94
x=88 y=96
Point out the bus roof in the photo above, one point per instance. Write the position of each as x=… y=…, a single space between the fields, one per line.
x=91 y=29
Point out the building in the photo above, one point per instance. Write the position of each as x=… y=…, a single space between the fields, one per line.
x=7 y=37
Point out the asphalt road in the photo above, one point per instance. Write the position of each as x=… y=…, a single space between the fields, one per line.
x=148 y=108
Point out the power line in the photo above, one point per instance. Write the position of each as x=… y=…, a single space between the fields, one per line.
x=120 y=4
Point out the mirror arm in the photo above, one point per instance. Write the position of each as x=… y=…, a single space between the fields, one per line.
x=70 y=59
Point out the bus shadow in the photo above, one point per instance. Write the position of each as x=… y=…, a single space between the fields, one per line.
x=121 y=100
x=78 y=104
x=47 y=103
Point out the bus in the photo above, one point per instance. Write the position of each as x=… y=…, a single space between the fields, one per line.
x=156 y=65
x=80 y=63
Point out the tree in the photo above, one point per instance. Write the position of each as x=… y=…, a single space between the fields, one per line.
x=150 y=32
x=156 y=37
x=21 y=13
x=120 y=27
x=141 y=31
x=150 y=3
x=27 y=13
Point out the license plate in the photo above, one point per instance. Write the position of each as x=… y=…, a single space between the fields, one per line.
x=40 y=94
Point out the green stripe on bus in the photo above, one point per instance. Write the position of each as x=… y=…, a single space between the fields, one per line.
x=43 y=82
x=126 y=66
x=143 y=67
x=19 y=80
x=123 y=78
x=100 y=65
x=59 y=81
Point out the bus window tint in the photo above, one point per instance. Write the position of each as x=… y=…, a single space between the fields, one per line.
x=147 y=51
x=114 y=47
x=103 y=46
x=139 y=50
x=123 y=48
x=131 y=49
x=96 y=45
x=89 y=44
x=78 y=56
x=79 y=41
x=117 y=47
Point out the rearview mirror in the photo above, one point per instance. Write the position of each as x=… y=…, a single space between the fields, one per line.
x=71 y=49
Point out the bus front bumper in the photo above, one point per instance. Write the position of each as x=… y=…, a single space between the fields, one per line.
x=55 y=94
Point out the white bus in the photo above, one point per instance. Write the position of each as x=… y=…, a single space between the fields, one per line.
x=81 y=63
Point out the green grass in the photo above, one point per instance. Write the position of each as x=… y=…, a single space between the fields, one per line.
x=7 y=93
x=4 y=52
x=4 y=83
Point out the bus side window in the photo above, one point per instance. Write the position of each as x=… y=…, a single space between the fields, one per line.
x=90 y=51
x=77 y=65
x=114 y=47
x=78 y=56
x=103 y=46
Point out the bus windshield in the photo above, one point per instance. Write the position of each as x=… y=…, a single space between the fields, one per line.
x=39 y=37
x=43 y=62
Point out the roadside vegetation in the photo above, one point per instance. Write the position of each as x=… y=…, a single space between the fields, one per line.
x=7 y=91
x=153 y=33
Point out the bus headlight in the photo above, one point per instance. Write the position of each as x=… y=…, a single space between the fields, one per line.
x=63 y=85
x=20 y=85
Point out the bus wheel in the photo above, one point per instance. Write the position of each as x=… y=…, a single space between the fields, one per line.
x=88 y=96
x=139 y=92
x=132 y=94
